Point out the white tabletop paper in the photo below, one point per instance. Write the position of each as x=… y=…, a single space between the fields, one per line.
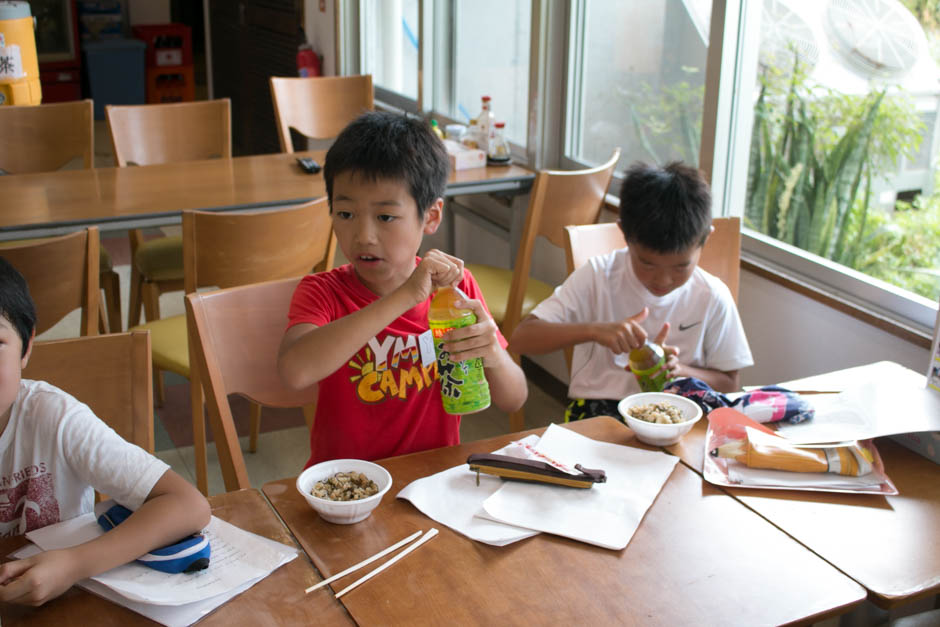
x=453 y=498
x=607 y=514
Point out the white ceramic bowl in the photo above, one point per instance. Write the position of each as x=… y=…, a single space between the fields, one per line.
x=659 y=434
x=343 y=512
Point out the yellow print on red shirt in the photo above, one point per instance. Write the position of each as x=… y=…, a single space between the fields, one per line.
x=390 y=368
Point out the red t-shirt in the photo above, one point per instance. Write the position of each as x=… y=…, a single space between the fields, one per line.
x=382 y=402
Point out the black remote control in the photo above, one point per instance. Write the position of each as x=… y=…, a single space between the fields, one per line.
x=309 y=165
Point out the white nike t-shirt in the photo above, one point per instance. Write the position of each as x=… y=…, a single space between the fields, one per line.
x=704 y=320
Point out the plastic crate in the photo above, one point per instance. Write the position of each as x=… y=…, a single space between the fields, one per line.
x=170 y=84
x=168 y=45
x=115 y=72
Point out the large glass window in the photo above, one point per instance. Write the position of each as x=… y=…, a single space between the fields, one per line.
x=637 y=79
x=389 y=44
x=844 y=143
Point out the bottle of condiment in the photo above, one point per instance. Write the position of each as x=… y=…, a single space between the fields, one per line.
x=498 y=146
x=437 y=129
x=646 y=364
x=464 y=389
x=485 y=123
x=471 y=138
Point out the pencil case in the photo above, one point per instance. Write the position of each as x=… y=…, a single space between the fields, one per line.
x=533 y=470
x=188 y=555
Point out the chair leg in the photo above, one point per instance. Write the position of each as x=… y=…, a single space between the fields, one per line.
x=310 y=411
x=111 y=283
x=159 y=389
x=199 y=437
x=254 y=419
x=102 y=320
x=151 y=298
x=136 y=298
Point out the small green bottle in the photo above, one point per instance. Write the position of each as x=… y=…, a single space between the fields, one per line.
x=646 y=364
x=464 y=389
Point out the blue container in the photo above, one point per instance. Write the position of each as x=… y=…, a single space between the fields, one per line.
x=115 y=72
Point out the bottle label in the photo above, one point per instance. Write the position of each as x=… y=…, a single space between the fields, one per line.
x=464 y=389
x=652 y=379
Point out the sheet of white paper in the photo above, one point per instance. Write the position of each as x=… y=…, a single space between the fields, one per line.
x=882 y=399
x=452 y=498
x=238 y=557
x=169 y=615
x=607 y=514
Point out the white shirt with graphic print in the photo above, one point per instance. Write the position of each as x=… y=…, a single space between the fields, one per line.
x=704 y=320
x=55 y=452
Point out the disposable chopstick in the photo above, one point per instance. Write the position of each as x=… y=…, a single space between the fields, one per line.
x=430 y=534
x=364 y=562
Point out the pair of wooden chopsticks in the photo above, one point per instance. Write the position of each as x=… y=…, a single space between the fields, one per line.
x=430 y=534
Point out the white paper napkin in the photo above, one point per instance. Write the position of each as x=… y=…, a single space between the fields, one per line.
x=607 y=514
x=453 y=498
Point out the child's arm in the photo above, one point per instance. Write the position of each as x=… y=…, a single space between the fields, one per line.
x=308 y=353
x=508 y=389
x=173 y=510
x=534 y=336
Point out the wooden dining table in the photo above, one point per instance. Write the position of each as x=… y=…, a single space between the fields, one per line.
x=697 y=557
x=888 y=544
x=277 y=599
x=54 y=203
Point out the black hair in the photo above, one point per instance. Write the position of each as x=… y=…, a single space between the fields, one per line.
x=16 y=305
x=391 y=146
x=666 y=209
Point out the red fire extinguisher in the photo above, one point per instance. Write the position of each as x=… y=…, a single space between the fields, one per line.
x=308 y=61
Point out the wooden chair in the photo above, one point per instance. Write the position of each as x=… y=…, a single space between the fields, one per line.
x=109 y=373
x=45 y=138
x=62 y=274
x=164 y=133
x=318 y=108
x=557 y=199
x=235 y=334
x=227 y=250
x=721 y=255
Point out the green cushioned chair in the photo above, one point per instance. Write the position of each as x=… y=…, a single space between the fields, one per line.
x=557 y=199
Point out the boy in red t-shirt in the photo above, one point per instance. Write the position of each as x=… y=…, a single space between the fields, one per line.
x=354 y=330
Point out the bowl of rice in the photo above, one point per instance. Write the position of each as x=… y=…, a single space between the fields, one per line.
x=658 y=418
x=344 y=491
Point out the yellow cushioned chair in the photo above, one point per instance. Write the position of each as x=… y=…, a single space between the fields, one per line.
x=557 y=199
x=164 y=133
x=231 y=249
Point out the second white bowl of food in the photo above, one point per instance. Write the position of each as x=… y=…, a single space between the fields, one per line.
x=355 y=476
x=659 y=405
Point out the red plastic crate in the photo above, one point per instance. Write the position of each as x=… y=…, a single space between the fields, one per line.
x=170 y=84
x=168 y=45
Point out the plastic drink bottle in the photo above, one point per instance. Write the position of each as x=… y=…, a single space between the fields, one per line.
x=464 y=389
x=646 y=364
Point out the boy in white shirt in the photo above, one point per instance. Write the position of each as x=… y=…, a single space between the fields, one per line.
x=653 y=288
x=54 y=453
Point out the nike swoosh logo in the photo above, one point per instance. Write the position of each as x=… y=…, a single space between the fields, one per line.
x=686 y=327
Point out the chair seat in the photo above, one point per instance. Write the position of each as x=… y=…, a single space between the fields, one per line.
x=169 y=344
x=161 y=259
x=495 y=284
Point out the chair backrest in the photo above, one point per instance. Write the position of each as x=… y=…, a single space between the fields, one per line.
x=235 y=334
x=229 y=249
x=166 y=133
x=109 y=373
x=43 y=138
x=320 y=107
x=558 y=198
x=721 y=255
x=62 y=274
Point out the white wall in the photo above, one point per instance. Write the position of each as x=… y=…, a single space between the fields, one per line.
x=319 y=26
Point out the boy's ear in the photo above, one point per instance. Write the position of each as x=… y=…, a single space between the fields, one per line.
x=29 y=350
x=433 y=216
